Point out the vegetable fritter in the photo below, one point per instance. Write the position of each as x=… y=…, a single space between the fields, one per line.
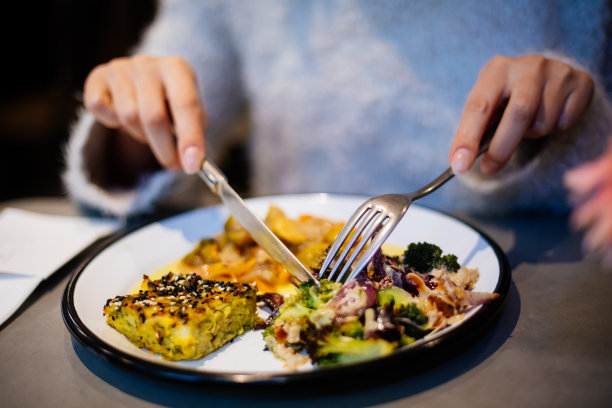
x=184 y=317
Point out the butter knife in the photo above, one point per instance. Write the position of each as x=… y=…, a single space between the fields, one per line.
x=217 y=182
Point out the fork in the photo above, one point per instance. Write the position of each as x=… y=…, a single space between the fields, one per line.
x=377 y=217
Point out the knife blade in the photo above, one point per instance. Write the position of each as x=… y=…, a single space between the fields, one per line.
x=217 y=182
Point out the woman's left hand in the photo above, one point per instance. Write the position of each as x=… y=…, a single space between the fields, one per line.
x=543 y=95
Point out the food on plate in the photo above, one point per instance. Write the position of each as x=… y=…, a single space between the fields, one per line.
x=212 y=295
x=393 y=303
x=184 y=317
x=234 y=256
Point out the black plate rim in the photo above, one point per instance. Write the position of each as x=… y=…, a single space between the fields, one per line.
x=480 y=321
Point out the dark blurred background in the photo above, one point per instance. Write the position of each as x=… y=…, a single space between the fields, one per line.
x=49 y=47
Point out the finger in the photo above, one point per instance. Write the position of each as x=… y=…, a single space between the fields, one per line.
x=554 y=95
x=525 y=97
x=187 y=112
x=482 y=102
x=577 y=101
x=584 y=179
x=97 y=98
x=124 y=98
x=599 y=235
x=153 y=113
x=585 y=214
x=607 y=258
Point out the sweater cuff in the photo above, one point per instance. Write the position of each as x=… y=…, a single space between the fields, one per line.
x=118 y=202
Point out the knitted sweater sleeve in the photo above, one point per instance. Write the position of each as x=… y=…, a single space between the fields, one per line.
x=196 y=31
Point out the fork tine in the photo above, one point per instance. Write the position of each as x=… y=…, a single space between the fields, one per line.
x=376 y=242
x=375 y=224
x=361 y=218
x=343 y=235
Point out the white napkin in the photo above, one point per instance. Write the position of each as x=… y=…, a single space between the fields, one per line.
x=33 y=246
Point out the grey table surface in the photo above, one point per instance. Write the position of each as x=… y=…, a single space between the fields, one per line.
x=551 y=346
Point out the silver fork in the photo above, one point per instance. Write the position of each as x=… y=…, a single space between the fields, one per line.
x=377 y=217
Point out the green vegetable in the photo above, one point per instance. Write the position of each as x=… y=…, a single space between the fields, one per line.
x=406 y=310
x=313 y=297
x=449 y=261
x=423 y=257
x=343 y=350
x=402 y=304
x=393 y=297
x=412 y=312
x=352 y=328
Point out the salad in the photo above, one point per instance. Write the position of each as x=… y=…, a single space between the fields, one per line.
x=394 y=302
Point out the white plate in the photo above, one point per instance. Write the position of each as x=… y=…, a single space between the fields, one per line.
x=119 y=267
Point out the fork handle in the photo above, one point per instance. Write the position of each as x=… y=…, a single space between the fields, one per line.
x=433 y=186
x=484 y=146
x=491 y=128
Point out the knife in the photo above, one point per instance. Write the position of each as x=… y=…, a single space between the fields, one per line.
x=217 y=182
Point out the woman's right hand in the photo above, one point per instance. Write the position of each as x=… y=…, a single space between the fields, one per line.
x=154 y=100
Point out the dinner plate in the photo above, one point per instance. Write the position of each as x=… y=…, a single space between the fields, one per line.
x=119 y=267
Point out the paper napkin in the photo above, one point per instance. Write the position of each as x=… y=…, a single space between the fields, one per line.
x=33 y=246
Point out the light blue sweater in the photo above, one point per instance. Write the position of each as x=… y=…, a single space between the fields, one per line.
x=364 y=96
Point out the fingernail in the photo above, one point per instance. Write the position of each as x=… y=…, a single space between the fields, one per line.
x=462 y=160
x=192 y=159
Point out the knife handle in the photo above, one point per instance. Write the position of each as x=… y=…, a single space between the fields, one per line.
x=211 y=175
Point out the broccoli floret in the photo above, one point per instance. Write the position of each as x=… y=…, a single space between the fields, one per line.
x=345 y=350
x=268 y=331
x=414 y=321
x=313 y=296
x=423 y=257
x=412 y=312
x=405 y=312
x=352 y=328
x=449 y=261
